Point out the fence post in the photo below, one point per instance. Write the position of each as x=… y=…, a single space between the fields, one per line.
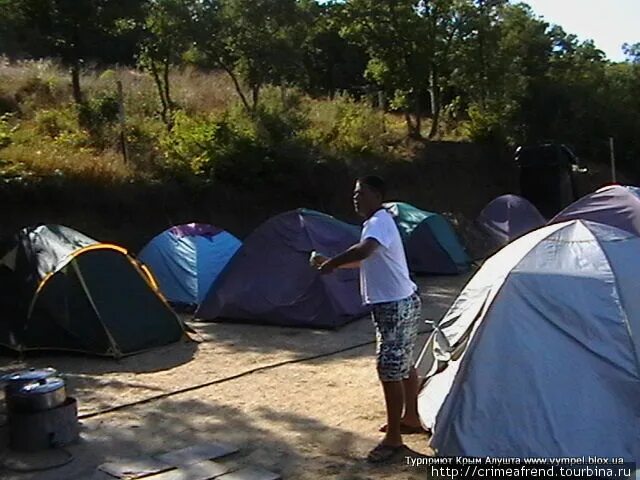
x=613 y=160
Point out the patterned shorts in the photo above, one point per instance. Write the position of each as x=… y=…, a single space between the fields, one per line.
x=396 y=331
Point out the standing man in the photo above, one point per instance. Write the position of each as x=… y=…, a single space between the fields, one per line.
x=396 y=307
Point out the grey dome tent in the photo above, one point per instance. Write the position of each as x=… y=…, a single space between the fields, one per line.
x=615 y=205
x=269 y=280
x=72 y=293
x=508 y=217
x=537 y=357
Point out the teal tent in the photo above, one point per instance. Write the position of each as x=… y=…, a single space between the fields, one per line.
x=430 y=242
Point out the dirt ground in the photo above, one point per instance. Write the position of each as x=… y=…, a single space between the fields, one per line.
x=312 y=419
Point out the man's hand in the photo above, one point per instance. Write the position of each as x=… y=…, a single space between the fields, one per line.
x=350 y=258
x=317 y=260
x=327 y=267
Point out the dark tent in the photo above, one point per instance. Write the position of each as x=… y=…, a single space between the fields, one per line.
x=269 y=280
x=508 y=217
x=430 y=242
x=615 y=205
x=72 y=293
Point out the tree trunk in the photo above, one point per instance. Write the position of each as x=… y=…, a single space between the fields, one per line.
x=167 y=95
x=415 y=132
x=434 y=92
x=76 y=55
x=413 y=126
x=161 y=90
x=75 y=82
x=407 y=119
x=236 y=84
x=167 y=90
x=255 y=96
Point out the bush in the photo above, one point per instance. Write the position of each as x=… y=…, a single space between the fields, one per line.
x=5 y=130
x=280 y=116
x=236 y=147
x=348 y=127
x=98 y=112
x=8 y=104
x=96 y=116
x=489 y=124
x=36 y=93
x=143 y=143
x=213 y=146
x=53 y=123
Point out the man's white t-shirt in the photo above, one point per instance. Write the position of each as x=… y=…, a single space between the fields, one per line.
x=384 y=275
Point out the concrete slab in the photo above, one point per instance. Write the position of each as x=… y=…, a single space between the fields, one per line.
x=196 y=454
x=135 y=468
x=206 y=470
x=250 y=473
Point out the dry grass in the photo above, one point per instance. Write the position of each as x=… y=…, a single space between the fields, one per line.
x=48 y=139
x=193 y=90
x=203 y=92
x=49 y=159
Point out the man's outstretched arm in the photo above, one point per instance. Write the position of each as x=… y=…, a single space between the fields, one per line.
x=351 y=257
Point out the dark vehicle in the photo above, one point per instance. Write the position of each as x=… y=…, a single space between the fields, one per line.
x=547 y=176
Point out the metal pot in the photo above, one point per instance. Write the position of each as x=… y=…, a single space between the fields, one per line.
x=44 y=394
x=16 y=380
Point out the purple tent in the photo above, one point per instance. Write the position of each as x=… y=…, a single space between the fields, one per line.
x=269 y=280
x=508 y=217
x=615 y=205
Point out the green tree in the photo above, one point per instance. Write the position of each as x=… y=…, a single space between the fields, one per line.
x=256 y=42
x=632 y=51
x=392 y=32
x=74 y=30
x=166 y=38
x=444 y=23
x=331 y=62
x=503 y=50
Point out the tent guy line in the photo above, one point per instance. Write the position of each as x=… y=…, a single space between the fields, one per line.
x=192 y=388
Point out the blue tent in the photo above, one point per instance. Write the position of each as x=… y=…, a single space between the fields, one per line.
x=430 y=242
x=186 y=259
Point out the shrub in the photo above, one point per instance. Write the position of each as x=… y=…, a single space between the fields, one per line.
x=53 y=123
x=234 y=147
x=8 y=104
x=348 y=127
x=97 y=116
x=36 y=93
x=489 y=123
x=280 y=116
x=6 y=130
x=209 y=146
x=98 y=112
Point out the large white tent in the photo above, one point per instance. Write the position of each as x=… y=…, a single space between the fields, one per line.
x=538 y=356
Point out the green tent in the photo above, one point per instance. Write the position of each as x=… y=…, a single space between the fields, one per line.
x=71 y=293
x=430 y=242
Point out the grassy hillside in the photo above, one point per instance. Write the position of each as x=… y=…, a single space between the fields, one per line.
x=43 y=133
x=62 y=163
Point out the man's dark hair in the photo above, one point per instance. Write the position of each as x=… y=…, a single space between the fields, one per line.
x=375 y=183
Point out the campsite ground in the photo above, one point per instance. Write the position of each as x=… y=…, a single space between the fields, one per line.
x=312 y=419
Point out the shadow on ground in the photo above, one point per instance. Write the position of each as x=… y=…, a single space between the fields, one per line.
x=305 y=449
x=225 y=351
